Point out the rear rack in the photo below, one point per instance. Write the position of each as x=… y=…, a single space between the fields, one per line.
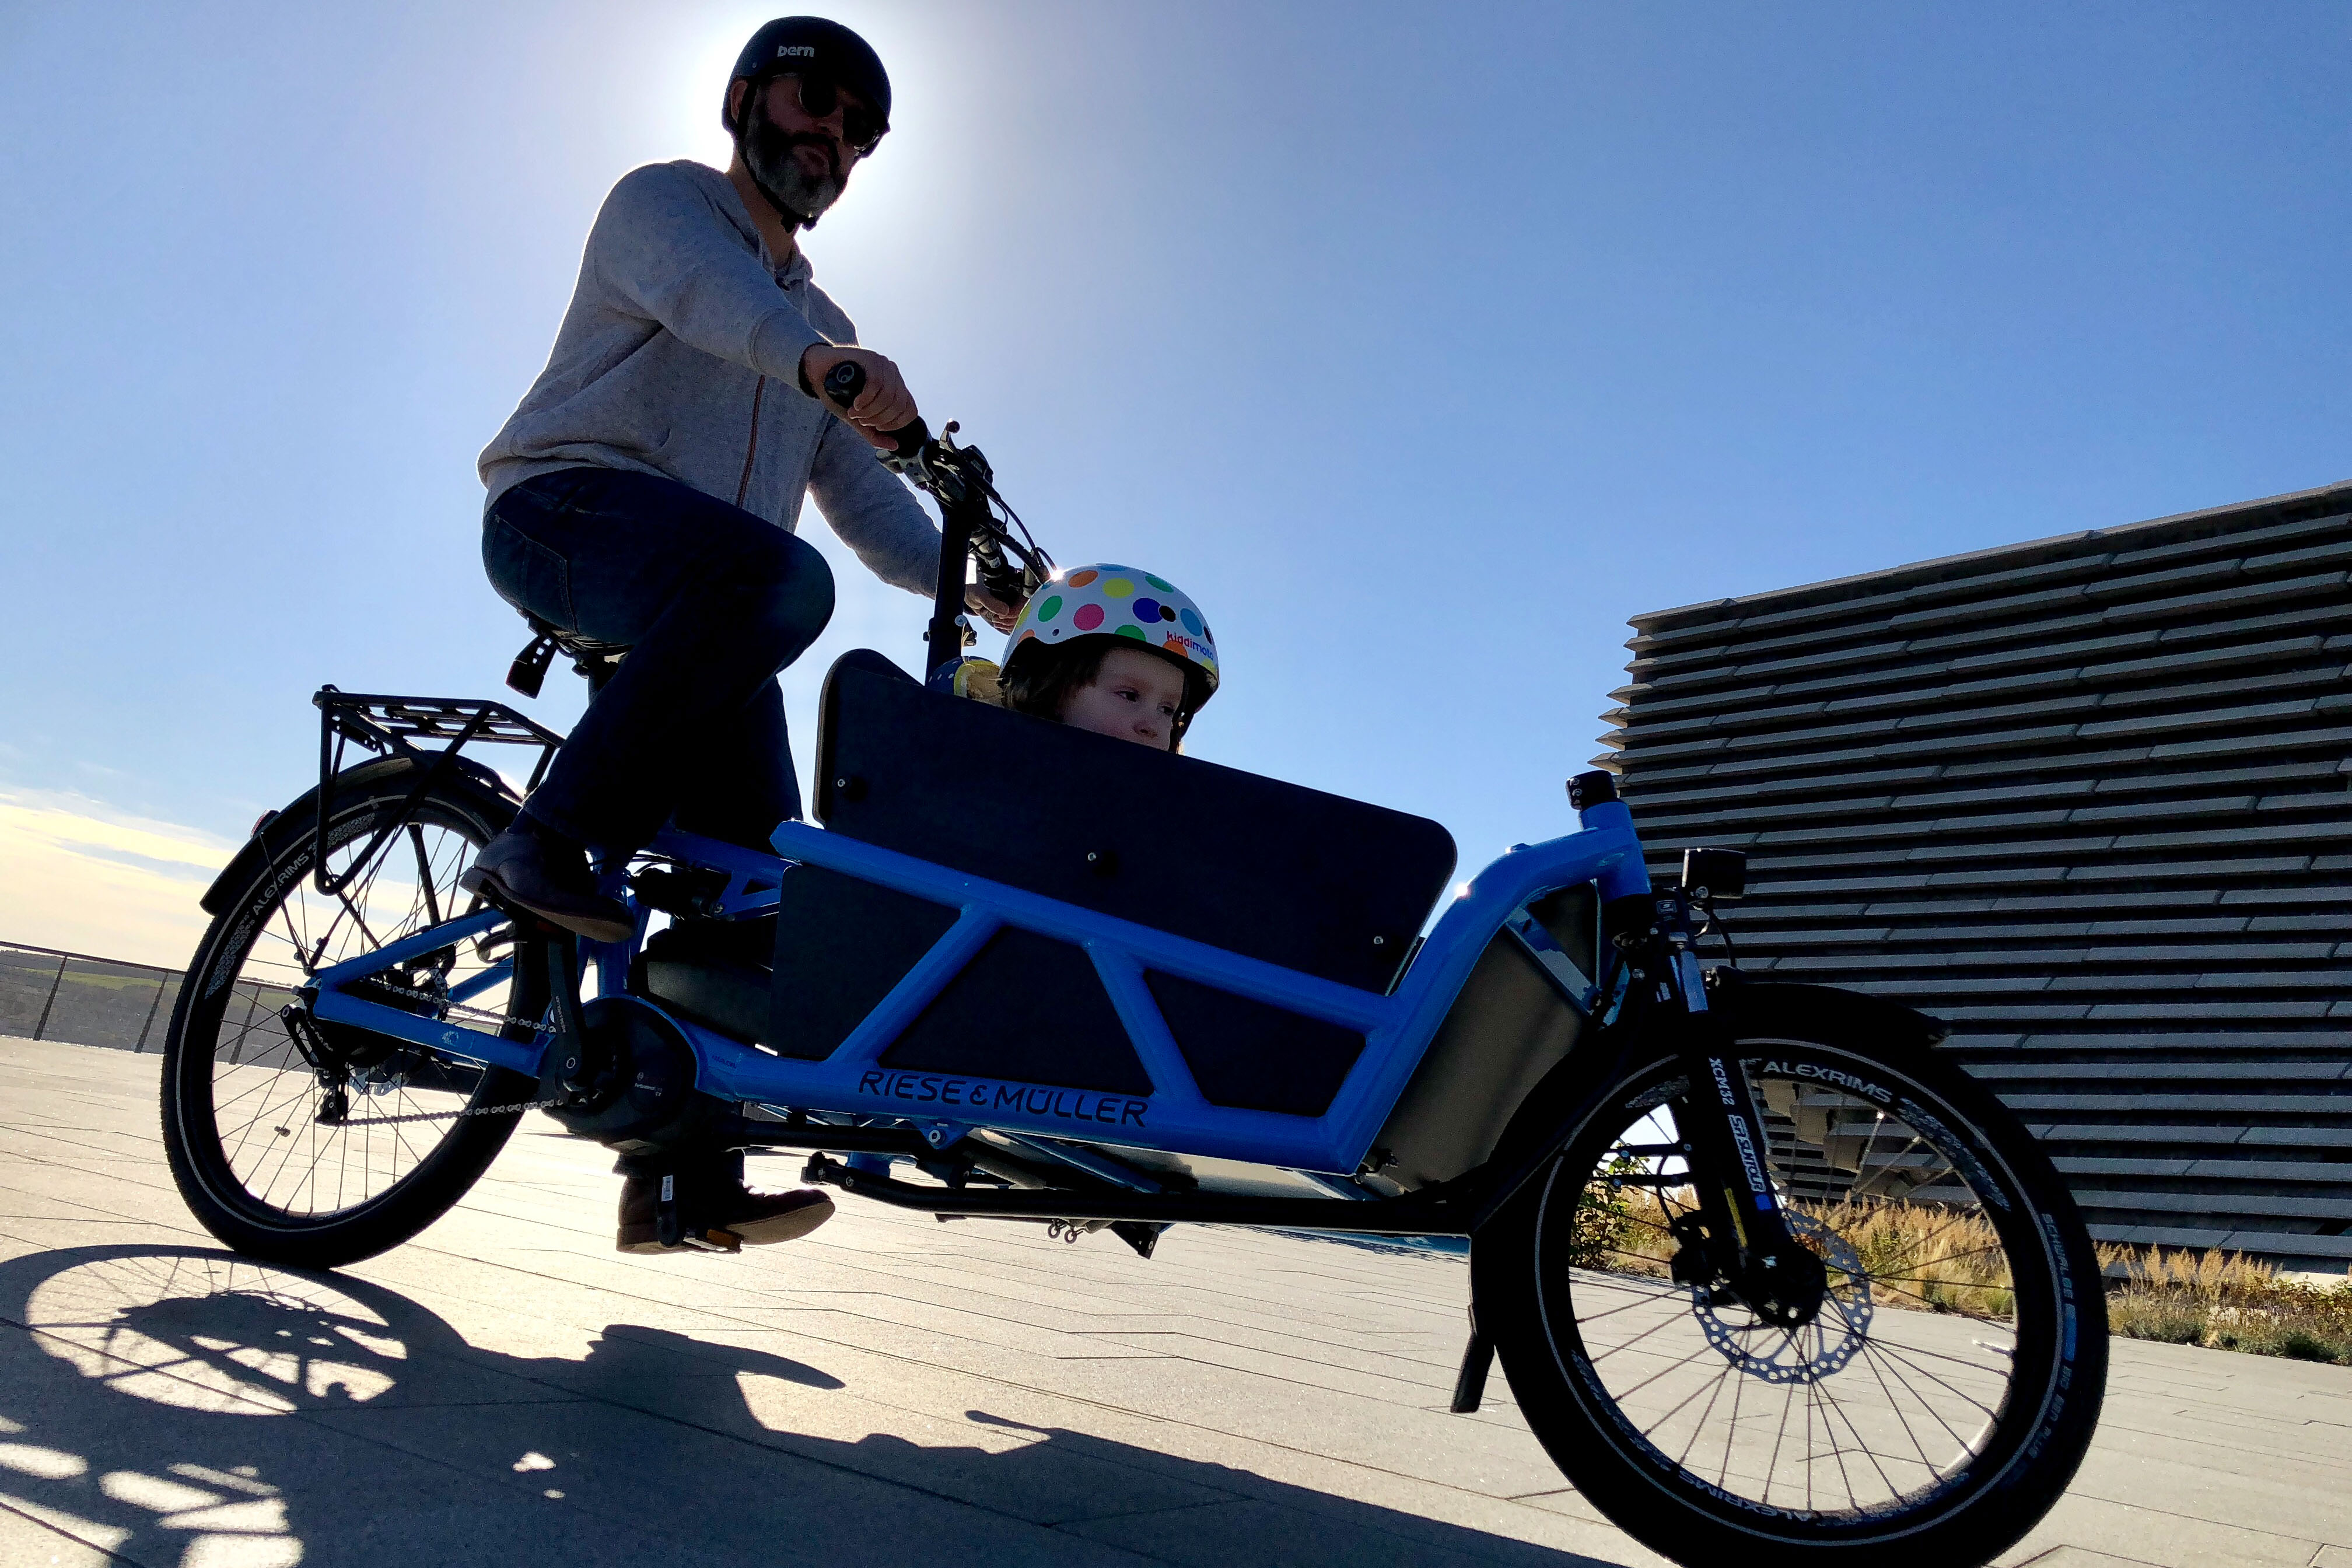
x=386 y=725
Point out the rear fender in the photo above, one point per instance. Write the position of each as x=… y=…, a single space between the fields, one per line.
x=281 y=830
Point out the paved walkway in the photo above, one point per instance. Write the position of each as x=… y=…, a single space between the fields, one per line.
x=507 y=1389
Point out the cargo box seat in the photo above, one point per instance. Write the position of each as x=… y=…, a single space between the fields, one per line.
x=1310 y=881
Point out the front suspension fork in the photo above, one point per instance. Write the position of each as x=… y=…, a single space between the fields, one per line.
x=1737 y=1245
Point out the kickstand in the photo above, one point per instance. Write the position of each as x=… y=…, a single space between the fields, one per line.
x=1477 y=1359
x=1137 y=1234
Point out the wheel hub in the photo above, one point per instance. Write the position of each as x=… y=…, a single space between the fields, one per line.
x=1771 y=1344
x=1786 y=1288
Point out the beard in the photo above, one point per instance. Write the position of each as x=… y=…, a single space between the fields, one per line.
x=798 y=197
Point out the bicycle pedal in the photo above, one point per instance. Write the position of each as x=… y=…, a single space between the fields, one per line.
x=527 y=923
x=715 y=1239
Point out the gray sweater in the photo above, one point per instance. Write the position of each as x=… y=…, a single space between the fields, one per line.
x=680 y=356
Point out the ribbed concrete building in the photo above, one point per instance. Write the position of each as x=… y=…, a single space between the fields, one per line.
x=2084 y=798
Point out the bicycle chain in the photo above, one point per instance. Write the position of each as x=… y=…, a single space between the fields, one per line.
x=475 y=1014
x=479 y=1015
x=454 y=1115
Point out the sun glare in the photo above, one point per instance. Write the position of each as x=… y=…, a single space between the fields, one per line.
x=893 y=199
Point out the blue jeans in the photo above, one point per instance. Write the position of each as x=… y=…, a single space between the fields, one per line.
x=711 y=602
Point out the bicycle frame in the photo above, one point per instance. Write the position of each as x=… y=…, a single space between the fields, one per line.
x=1173 y=1117
x=1491 y=1080
x=859 y=1104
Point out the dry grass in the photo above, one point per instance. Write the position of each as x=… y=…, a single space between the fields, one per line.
x=1917 y=1255
x=1927 y=1259
x=2225 y=1301
x=1923 y=1257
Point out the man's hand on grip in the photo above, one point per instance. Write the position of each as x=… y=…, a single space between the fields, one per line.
x=989 y=608
x=884 y=404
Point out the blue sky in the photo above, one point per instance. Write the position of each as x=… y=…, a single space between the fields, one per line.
x=1422 y=345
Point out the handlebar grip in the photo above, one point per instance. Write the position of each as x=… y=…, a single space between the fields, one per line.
x=1004 y=579
x=844 y=381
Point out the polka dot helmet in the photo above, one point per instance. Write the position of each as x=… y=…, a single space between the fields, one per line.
x=1103 y=600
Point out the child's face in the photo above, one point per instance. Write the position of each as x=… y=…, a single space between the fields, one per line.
x=1135 y=696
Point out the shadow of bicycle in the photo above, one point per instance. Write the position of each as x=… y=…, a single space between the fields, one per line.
x=181 y=1405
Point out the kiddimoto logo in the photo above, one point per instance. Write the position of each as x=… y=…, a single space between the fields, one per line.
x=1177 y=642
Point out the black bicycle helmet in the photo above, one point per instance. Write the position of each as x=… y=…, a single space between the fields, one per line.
x=810 y=44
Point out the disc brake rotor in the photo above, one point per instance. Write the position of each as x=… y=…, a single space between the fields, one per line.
x=1808 y=1354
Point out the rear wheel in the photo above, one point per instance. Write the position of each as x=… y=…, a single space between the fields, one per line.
x=1934 y=1406
x=281 y=1160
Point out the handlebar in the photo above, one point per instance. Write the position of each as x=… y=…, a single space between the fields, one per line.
x=970 y=529
x=844 y=381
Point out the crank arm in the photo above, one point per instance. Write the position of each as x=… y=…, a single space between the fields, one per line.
x=567 y=1054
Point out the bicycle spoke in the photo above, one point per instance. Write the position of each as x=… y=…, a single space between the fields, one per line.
x=1895 y=1404
x=425 y=874
x=266 y=1094
x=1772 y=1466
x=1941 y=1309
x=1725 y=1375
x=1897 y=1353
x=1868 y=1382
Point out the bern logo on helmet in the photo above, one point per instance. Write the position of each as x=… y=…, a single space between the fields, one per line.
x=796 y=51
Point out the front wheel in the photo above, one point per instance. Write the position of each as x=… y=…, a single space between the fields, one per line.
x=321 y=1164
x=1930 y=1411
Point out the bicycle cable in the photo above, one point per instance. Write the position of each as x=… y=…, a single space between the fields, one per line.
x=1722 y=933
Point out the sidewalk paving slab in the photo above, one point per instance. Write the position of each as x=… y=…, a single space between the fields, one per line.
x=507 y=1389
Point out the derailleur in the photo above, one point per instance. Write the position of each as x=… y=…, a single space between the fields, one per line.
x=345 y=1061
x=334 y=1073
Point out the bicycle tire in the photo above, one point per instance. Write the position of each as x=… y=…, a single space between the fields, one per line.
x=388 y=1204
x=1604 y=1428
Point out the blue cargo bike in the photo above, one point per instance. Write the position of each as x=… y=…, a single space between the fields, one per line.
x=1770 y=1281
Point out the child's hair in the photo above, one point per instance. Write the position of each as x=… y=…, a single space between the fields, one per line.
x=1041 y=684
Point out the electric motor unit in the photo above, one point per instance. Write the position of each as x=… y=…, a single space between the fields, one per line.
x=643 y=1068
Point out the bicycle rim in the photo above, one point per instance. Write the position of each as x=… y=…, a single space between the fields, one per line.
x=289 y=1151
x=1928 y=1366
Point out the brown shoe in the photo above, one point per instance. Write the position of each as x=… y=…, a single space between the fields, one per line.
x=520 y=870
x=732 y=1216
x=762 y=1218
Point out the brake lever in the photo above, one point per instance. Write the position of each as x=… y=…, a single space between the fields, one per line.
x=961 y=477
x=948 y=472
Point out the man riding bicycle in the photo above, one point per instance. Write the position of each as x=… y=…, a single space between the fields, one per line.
x=644 y=492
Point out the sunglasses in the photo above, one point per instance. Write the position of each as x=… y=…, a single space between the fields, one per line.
x=861 y=128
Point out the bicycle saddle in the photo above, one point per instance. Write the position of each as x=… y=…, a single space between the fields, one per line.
x=594 y=660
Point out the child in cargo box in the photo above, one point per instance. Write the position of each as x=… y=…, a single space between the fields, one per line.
x=1106 y=648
